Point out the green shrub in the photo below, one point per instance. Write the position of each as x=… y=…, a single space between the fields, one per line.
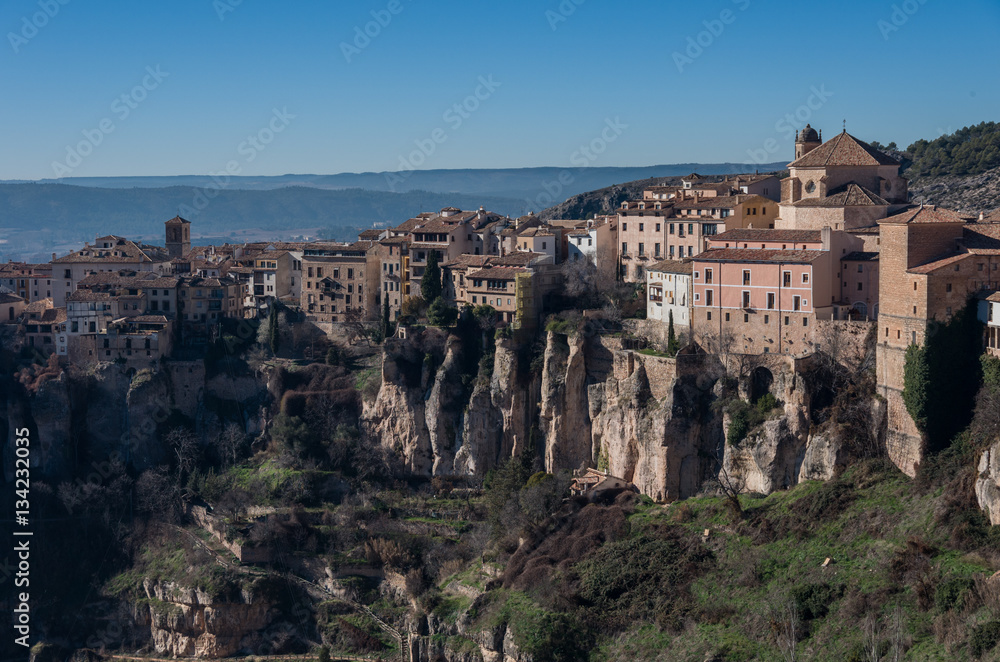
x=951 y=593
x=985 y=638
x=441 y=314
x=814 y=600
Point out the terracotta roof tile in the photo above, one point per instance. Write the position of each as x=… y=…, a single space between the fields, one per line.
x=763 y=234
x=844 y=150
x=754 y=255
x=849 y=195
x=923 y=214
x=673 y=267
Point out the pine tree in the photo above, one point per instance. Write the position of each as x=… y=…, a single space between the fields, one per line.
x=430 y=284
x=386 y=323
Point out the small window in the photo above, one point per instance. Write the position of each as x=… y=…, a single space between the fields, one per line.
x=947 y=287
x=727 y=317
x=805 y=278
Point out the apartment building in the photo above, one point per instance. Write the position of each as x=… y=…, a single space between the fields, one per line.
x=31 y=282
x=341 y=281
x=669 y=291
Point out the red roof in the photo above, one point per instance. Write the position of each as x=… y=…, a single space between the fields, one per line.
x=844 y=150
x=923 y=214
x=758 y=255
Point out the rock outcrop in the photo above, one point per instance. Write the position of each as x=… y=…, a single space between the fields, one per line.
x=988 y=483
x=186 y=622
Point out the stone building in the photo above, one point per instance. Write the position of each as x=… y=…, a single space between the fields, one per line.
x=931 y=261
x=341 y=281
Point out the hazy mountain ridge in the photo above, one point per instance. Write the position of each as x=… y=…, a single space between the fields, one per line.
x=524 y=183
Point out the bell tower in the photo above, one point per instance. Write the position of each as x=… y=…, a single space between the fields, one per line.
x=806 y=141
x=178 y=237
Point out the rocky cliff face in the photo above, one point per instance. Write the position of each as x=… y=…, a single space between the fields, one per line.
x=112 y=414
x=645 y=418
x=186 y=622
x=988 y=483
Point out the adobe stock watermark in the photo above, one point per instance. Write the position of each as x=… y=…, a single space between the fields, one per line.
x=698 y=44
x=454 y=116
x=121 y=108
x=364 y=35
x=789 y=124
x=249 y=149
x=900 y=16
x=223 y=7
x=583 y=157
x=31 y=25
x=562 y=13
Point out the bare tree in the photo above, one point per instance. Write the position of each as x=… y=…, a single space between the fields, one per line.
x=787 y=628
x=185 y=447
x=871 y=631
x=229 y=443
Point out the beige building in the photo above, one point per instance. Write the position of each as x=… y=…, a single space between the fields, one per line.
x=108 y=254
x=341 y=281
x=31 y=282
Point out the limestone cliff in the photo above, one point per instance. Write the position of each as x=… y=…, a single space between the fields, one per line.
x=988 y=483
x=186 y=622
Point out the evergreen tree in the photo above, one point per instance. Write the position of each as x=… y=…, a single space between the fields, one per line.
x=430 y=284
x=386 y=322
x=673 y=345
x=273 y=332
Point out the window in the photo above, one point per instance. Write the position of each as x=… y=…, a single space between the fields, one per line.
x=767 y=319
x=708 y=275
x=642 y=248
x=770 y=302
x=786 y=320
x=805 y=278
x=746 y=299
x=624 y=248
x=624 y=227
x=796 y=303
x=746 y=276
x=727 y=317
x=670 y=229
x=860 y=287
x=690 y=228
x=642 y=227
x=708 y=297
x=656 y=249
x=746 y=317
x=786 y=279
x=947 y=287
x=709 y=316
x=657 y=227
x=861 y=268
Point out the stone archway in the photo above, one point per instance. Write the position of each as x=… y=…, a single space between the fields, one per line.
x=761 y=380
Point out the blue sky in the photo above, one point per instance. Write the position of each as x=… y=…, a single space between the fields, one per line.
x=556 y=74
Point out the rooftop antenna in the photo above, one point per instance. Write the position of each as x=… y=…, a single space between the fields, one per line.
x=845 y=126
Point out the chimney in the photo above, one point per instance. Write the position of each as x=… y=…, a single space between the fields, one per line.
x=827 y=236
x=53 y=257
x=982 y=216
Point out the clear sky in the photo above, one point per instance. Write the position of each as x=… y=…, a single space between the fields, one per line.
x=558 y=76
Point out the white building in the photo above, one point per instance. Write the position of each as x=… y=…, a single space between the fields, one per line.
x=989 y=314
x=668 y=290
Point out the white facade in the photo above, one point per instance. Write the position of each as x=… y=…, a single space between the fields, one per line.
x=669 y=290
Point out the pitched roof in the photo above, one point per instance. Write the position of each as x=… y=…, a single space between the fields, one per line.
x=844 y=150
x=758 y=255
x=923 y=214
x=982 y=238
x=10 y=298
x=849 y=195
x=124 y=251
x=939 y=263
x=177 y=220
x=518 y=258
x=467 y=260
x=720 y=202
x=763 y=234
x=860 y=256
x=672 y=267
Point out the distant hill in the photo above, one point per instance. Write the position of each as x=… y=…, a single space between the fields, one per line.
x=78 y=213
x=610 y=198
x=521 y=183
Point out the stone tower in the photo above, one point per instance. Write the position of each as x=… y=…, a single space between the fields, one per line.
x=806 y=141
x=178 y=237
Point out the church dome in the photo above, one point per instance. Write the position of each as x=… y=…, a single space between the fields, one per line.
x=808 y=135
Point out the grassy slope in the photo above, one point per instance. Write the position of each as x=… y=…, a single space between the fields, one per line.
x=889 y=544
